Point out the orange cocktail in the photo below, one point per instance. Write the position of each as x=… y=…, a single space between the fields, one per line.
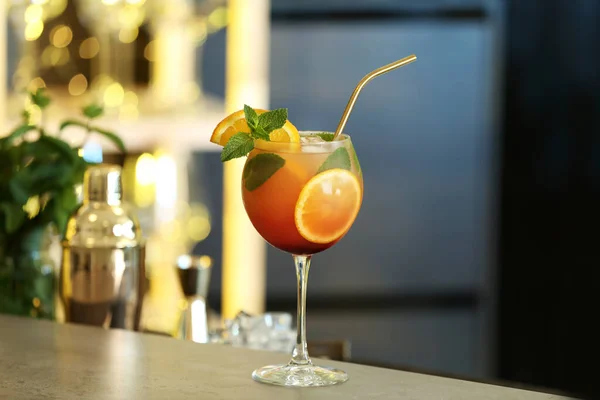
x=302 y=191
x=309 y=203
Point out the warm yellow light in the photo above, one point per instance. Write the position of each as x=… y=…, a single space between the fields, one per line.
x=130 y=16
x=32 y=207
x=59 y=56
x=171 y=231
x=145 y=169
x=33 y=30
x=198 y=227
x=150 y=51
x=35 y=114
x=61 y=36
x=78 y=85
x=33 y=13
x=127 y=35
x=110 y=2
x=205 y=261
x=198 y=31
x=89 y=48
x=217 y=19
x=113 y=95
x=130 y=98
x=247 y=82
x=35 y=84
x=128 y=112
x=191 y=92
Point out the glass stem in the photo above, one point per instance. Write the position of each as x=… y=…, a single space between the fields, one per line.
x=300 y=353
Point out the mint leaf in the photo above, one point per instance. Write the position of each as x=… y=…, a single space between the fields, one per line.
x=93 y=111
x=338 y=159
x=272 y=120
x=356 y=163
x=238 y=145
x=260 y=133
x=251 y=116
x=260 y=168
x=326 y=136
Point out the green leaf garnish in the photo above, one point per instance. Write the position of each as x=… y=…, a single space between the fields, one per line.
x=326 y=136
x=338 y=159
x=238 y=145
x=356 y=163
x=251 y=116
x=260 y=168
x=93 y=111
x=272 y=120
x=39 y=98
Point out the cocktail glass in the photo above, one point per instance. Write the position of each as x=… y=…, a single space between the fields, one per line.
x=302 y=198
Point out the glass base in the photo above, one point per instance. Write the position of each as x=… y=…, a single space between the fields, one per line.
x=299 y=375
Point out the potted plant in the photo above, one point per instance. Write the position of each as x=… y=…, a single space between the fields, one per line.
x=39 y=173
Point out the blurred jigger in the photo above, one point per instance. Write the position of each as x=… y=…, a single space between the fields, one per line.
x=194 y=277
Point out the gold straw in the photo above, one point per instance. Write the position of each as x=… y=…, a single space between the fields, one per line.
x=363 y=82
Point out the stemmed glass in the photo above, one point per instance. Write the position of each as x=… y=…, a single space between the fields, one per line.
x=305 y=206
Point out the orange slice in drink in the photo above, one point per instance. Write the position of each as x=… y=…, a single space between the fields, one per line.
x=236 y=122
x=328 y=205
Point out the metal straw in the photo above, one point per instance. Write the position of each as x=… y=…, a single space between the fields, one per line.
x=363 y=82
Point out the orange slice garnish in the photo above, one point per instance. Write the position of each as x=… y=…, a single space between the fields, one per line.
x=328 y=205
x=236 y=122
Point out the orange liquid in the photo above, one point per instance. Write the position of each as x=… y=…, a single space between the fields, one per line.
x=272 y=205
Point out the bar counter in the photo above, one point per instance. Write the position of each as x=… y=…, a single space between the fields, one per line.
x=47 y=360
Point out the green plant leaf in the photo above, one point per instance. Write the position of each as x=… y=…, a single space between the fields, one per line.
x=338 y=159
x=326 y=136
x=238 y=145
x=61 y=146
x=93 y=111
x=260 y=168
x=39 y=98
x=20 y=131
x=251 y=116
x=71 y=122
x=19 y=190
x=272 y=120
x=116 y=140
x=13 y=216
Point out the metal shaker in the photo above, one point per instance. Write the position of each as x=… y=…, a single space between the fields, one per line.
x=102 y=277
x=194 y=277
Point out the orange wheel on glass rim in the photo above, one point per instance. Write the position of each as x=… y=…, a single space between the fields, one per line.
x=236 y=122
x=328 y=205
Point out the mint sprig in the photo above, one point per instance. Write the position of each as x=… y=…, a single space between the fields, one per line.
x=338 y=159
x=240 y=144
x=326 y=136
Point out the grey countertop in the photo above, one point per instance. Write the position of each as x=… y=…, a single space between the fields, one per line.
x=46 y=360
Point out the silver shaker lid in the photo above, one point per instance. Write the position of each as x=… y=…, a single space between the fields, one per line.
x=102 y=183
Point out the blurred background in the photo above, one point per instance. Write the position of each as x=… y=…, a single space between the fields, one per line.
x=475 y=251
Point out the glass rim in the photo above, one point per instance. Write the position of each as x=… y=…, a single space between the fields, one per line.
x=294 y=147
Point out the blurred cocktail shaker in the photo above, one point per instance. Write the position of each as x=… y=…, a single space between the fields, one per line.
x=102 y=276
